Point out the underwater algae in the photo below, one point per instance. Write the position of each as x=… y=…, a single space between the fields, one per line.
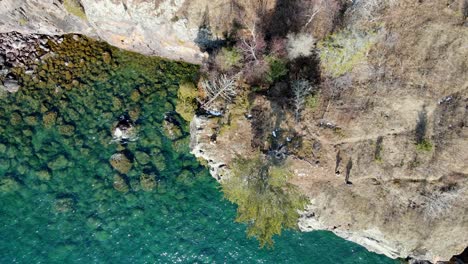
x=65 y=198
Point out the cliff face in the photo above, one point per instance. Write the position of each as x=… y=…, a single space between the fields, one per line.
x=383 y=155
x=147 y=27
x=122 y=25
x=166 y=28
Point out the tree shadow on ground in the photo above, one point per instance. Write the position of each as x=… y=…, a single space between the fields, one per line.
x=283 y=19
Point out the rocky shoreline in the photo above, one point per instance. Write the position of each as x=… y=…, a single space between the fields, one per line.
x=22 y=51
x=215 y=155
x=139 y=27
x=26 y=51
x=218 y=153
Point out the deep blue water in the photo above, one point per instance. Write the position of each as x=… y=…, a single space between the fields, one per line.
x=58 y=203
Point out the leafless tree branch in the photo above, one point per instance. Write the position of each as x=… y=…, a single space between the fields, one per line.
x=219 y=87
x=301 y=89
x=252 y=45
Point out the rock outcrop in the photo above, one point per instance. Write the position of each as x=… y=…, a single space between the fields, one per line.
x=146 y=27
x=167 y=28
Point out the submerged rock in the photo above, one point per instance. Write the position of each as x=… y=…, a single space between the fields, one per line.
x=102 y=235
x=135 y=185
x=134 y=113
x=66 y=130
x=135 y=96
x=15 y=119
x=142 y=157
x=120 y=163
x=58 y=163
x=147 y=182
x=3 y=148
x=63 y=205
x=8 y=185
x=171 y=130
x=49 y=119
x=120 y=184
x=43 y=175
x=93 y=222
x=106 y=57
x=159 y=161
x=31 y=120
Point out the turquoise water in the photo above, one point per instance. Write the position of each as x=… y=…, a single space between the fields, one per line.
x=59 y=202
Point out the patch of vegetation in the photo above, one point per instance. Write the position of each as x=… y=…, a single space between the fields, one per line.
x=266 y=201
x=304 y=149
x=174 y=19
x=278 y=68
x=339 y=132
x=424 y=145
x=229 y=58
x=236 y=111
x=75 y=8
x=342 y=51
x=187 y=101
x=22 y=21
x=312 y=101
x=202 y=162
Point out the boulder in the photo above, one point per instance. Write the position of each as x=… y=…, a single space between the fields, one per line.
x=58 y=163
x=120 y=184
x=147 y=182
x=121 y=163
x=8 y=185
x=142 y=157
x=11 y=86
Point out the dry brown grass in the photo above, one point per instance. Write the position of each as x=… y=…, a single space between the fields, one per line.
x=425 y=46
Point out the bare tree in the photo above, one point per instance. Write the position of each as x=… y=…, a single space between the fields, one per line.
x=252 y=44
x=301 y=89
x=321 y=14
x=221 y=86
x=313 y=12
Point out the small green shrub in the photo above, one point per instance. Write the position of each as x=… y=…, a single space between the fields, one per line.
x=278 y=69
x=340 y=52
x=424 y=145
x=22 y=21
x=236 y=111
x=74 y=7
x=228 y=58
x=312 y=101
x=266 y=201
x=187 y=101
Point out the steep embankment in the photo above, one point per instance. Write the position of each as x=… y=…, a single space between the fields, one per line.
x=389 y=118
x=380 y=149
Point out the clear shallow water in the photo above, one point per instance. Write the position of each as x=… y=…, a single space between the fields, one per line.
x=57 y=197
